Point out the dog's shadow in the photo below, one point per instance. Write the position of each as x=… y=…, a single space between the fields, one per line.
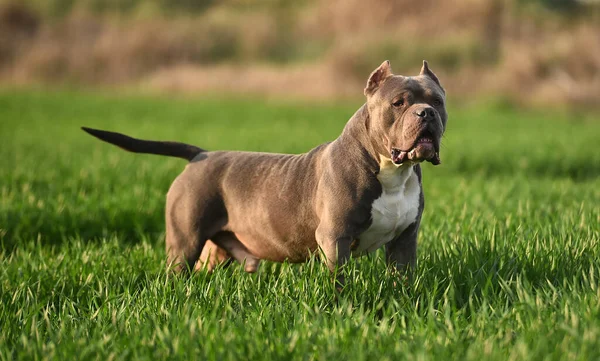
x=55 y=228
x=479 y=277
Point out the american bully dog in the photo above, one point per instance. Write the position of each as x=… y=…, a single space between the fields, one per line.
x=341 y=199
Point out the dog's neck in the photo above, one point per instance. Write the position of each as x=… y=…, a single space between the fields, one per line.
x=393 y=176
x=356 y=138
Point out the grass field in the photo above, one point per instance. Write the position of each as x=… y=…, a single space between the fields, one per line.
x=509 y=258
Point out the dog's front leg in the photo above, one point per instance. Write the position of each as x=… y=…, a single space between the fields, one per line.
x=401 y=252
x=336 y=250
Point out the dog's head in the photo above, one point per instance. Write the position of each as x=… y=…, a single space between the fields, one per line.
x=407 y=115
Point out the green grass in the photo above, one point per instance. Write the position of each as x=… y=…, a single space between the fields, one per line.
x=509 y=258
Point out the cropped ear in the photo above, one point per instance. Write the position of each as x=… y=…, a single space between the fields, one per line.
x=427 y=72
x=378 y=77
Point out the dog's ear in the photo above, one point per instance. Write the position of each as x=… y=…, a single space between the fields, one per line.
x=427 y=72
x=378 y=77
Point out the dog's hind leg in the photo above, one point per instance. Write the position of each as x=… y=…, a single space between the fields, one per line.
x=184 y=243
x=191 y=219
x=224 y=247
x=213 y=256
x=230 y=243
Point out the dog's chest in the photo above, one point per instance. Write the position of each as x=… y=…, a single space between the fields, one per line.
x=393 y=211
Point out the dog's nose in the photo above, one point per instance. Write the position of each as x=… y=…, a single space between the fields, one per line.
x=426 y=113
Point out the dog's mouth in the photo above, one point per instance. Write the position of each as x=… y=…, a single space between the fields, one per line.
x=424 y=149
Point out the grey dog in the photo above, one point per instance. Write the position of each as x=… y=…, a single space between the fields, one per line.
x=341 y=199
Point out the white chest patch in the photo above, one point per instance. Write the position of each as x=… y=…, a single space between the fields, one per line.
x=394 y=210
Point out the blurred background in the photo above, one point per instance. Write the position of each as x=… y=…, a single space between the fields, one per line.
x=530 y=52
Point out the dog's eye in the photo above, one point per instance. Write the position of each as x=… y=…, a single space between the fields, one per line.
x=437 y=102
x=398 y=103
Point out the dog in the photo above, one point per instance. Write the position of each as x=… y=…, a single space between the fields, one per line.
x=341 y=199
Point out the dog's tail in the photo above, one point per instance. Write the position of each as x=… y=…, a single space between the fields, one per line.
x=173 y=149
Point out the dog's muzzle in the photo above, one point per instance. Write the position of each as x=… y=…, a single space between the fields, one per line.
x=424 y=149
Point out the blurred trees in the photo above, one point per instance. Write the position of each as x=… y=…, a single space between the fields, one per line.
x=525 y=48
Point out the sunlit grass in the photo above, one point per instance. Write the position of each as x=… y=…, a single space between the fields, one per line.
x=509 y=257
